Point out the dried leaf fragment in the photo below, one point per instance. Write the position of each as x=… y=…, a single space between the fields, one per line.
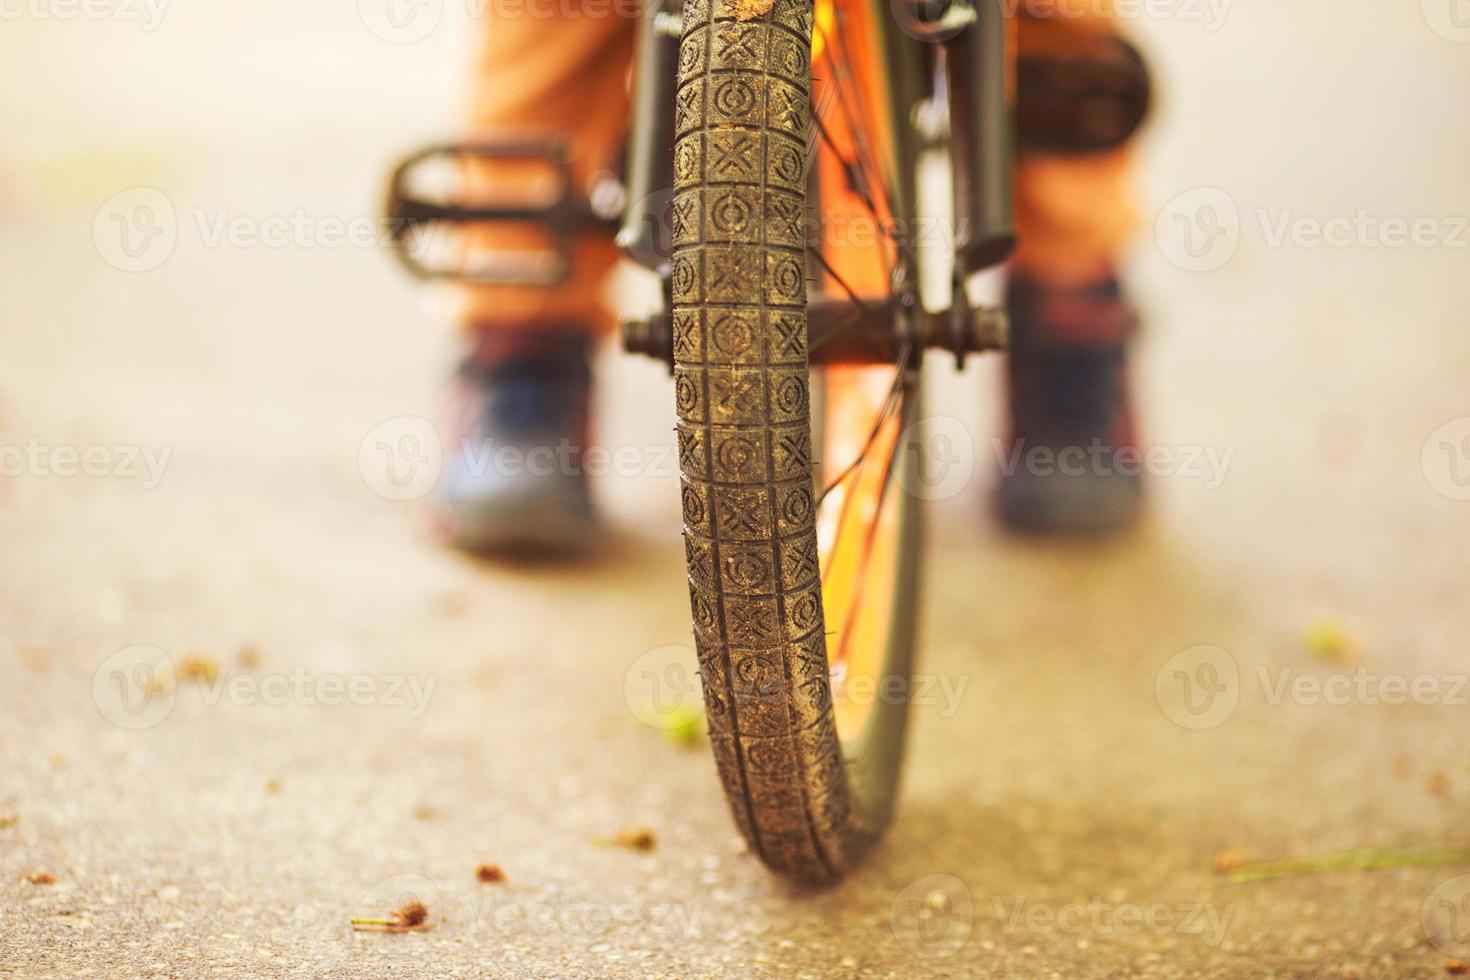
x=685 y=728
x=1365 y=860
x=1331 y=639
x=411 y=913
x=411 y=916
x=200 y=668
x=1229 y=859
x=751 y=9
x=636 y=838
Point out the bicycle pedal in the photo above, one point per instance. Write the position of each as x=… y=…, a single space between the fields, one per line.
x=440 y=194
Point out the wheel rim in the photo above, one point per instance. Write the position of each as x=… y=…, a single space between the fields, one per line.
x=865 y=523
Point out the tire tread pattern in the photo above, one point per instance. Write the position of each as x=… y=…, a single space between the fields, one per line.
x=744 y=431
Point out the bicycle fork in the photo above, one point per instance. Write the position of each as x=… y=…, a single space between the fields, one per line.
x=980 y=140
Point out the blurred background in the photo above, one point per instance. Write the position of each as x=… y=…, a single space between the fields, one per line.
x=1302 y=271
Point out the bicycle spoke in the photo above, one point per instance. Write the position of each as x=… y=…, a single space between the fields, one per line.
x=862 y=124
x=870 y=539
x=891 y=401
x=850 y=550
x=815 y=344
x=844 y=81
x=864 y=312
x=857 y=178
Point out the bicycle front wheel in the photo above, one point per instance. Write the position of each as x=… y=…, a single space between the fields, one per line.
x=802 y=594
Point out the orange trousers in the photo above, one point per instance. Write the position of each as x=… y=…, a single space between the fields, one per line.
x=561 y=67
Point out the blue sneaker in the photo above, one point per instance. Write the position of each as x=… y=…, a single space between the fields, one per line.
x=1072 y=464
x=514 y=482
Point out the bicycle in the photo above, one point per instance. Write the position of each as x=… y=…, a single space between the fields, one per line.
x=803 y=575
